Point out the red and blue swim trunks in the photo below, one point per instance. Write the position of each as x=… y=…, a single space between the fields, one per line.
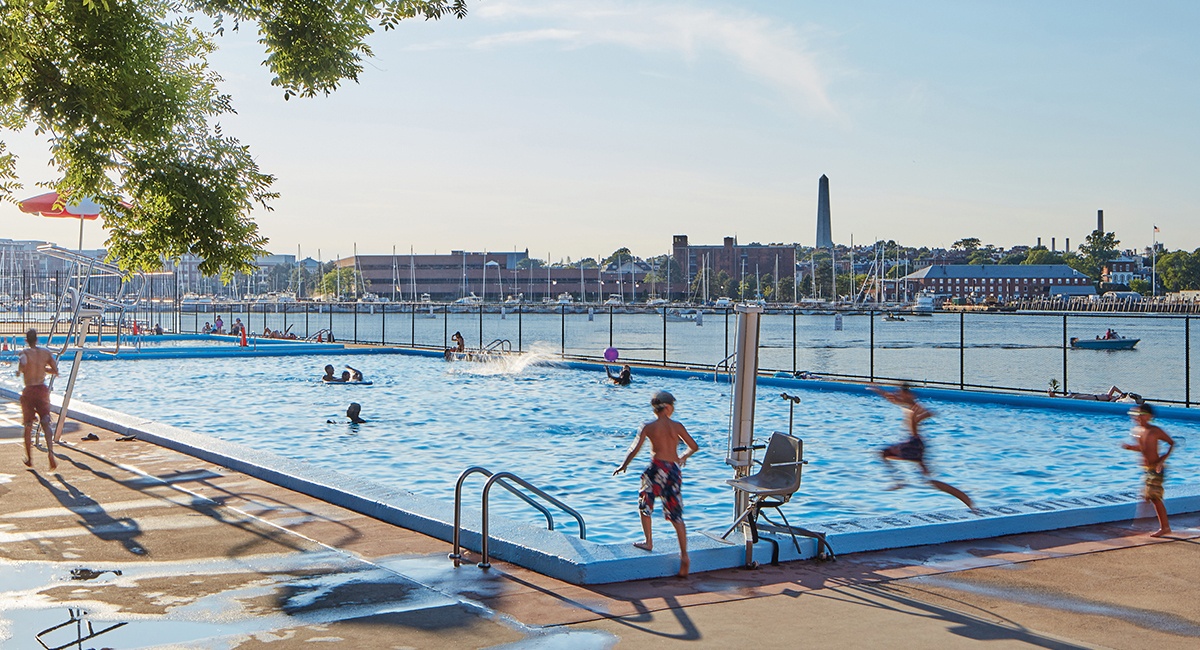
x=662 y=480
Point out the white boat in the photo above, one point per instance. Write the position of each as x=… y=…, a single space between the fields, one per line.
x=925 y=303
x=614 y=299
x=723 y=302
x=371 y=297
x=513 y=301
x=656 y=302
x=684 y=316
x=566 y=299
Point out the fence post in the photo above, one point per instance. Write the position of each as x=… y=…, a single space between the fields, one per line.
x=445 y=326
x=726 y=334
x=794 y=341
x=520 y=325
x=1064 y=350
x=610 y=326
x=1187 y=362
x=664 y=316
x=872 y=368
x=481 y=325
x=412 y=332
x=355 y=303
x=962 y=350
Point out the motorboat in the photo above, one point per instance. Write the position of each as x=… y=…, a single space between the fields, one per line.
x=925 y=303
x=466 y=303
x=1115 y=342
x=614 y=299
x=684 y=316
x=566 y=299
x=724 y=302
x=890 y=317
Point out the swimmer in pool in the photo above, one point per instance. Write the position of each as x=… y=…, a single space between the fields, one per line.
x=913 y=449
x=621 y=379
x=662 y=479
x=329 y=376
x=353 y=412
x=355 y=374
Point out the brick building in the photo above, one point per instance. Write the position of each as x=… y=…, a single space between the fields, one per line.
x=1000 y=281
x=732 y=258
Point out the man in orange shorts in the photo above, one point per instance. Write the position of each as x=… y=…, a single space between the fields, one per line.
x=35 y=363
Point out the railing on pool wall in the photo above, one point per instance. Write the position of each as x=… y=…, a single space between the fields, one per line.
x=1015 y=352
x=502 y=479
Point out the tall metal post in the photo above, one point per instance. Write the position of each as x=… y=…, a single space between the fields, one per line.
x=520 y=327
x=794 y=341
x=562 y=336
x=355 y=321
x=610 y=326
x=1064 y=350
x=481 y=324
x=962 y=350
x=664 y=319
x=745 y=384
x=872 y=363
x=1187 y=362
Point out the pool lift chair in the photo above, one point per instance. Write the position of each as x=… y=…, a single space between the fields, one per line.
x=772 y=486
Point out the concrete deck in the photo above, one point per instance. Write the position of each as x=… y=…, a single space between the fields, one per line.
x=210 y=558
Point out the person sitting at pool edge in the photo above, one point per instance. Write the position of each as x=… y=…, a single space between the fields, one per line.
x=207 y=328
x=621 y=379
x=329 y=376
x=460 y=344
x=355 y=374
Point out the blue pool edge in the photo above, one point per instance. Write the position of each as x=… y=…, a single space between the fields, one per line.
x=582 y=562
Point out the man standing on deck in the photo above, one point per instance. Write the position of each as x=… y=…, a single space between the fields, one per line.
x=1148 y=436
x=662 y=479
x=35 y=363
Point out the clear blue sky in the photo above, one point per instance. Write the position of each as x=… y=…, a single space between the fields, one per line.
x=574 y=127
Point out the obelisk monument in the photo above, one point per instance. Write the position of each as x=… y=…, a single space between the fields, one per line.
x=824 y=236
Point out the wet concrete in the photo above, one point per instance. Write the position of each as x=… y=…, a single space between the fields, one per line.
x=214 y=559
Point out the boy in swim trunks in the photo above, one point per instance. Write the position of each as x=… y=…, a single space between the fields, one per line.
x=1148 y=437
x=662 y=479
x=35 y=363
x=913 y=449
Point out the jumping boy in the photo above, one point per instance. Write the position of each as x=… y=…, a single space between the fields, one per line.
x=1148 y=437
x=662 y=479
x=35 y=363
x=913 y=449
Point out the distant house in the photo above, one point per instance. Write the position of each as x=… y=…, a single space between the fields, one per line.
x=1001 y=281
x=1123 y=269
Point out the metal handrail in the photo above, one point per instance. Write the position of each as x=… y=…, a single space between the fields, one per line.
x=504 y=345
x=723 y=362
x=455 y=554
x=502 y=476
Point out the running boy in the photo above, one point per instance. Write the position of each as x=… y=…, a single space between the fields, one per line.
x=662 y=479
x=1148 y=437
x=913 y=449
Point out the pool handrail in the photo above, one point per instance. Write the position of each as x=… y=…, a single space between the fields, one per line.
x=455 y=553
x=501 y=477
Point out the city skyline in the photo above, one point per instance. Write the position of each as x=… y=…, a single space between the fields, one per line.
x=572 y=129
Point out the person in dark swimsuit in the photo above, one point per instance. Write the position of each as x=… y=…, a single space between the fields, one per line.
x=913 y=449
x=622 y=378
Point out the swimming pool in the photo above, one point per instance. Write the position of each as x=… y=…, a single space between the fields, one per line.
x=566 y=430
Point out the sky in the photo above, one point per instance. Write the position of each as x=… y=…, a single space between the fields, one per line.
x=571 y=128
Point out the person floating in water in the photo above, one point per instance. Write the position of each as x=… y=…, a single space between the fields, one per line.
x=1147 y=437
x=35 y=363
x=662 y=479
x=355 y=374
x=329 y=376
x=913 y=449
x=622 y=378
x=353 y=412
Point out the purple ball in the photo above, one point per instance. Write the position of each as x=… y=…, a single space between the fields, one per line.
x=611 y=354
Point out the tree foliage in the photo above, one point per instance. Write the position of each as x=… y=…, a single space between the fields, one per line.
x=966 y=244
x=1179 y=270
x=1094 y=253
x=123 y=91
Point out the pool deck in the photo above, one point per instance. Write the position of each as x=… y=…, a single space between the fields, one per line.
x=214 y=558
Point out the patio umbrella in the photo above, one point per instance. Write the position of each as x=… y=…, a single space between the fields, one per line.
x=49 y=205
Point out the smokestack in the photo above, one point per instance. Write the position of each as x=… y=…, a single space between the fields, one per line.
x=1039 y=244
x=1052 y=245
x=1067 y=246
x=1100 y=220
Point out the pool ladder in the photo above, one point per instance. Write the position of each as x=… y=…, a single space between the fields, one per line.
x=503 y=480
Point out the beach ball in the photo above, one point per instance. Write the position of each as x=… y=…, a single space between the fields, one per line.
x=611 y=354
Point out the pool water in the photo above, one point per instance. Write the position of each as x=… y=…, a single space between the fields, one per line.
x=567 y=430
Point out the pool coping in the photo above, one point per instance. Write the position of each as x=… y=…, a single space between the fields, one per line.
x=256 y=347
x=583 y=562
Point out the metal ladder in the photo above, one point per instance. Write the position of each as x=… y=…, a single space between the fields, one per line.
x=498 y=346
x=502 y=479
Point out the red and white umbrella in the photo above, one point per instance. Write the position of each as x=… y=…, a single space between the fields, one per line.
x=50 y=205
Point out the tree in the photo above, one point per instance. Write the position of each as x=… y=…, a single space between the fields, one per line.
x=1095 y=252
x=619 y=255
x=966 y=244
x=530 y=263
x=132 y=110
x=1179 y=270
x=1139 y=285
x=340 y=283
x=1040 y=255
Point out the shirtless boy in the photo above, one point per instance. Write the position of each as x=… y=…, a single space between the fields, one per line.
x=662 y=479
x=35 y=363
x=1148 y=437
x=913 y=449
